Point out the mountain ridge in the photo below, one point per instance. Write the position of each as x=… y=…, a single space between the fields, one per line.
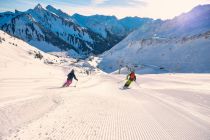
x=44 y=28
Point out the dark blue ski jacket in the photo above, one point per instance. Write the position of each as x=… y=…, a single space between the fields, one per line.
x=71 y=75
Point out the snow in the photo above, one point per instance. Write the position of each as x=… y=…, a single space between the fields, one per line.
x=5 y=19
x=110 y=24
x=100 y=24
x=59 y=13
x=87 y=35
x=178 y=45
x=44 y=28
x=180 y=56
x=58 y=25
x=132 y=23
x=44 y=46
x=33 y=106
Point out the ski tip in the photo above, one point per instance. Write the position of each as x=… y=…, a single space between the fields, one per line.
x=124 y=88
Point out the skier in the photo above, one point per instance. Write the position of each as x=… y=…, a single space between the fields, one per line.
x=71 y=75
x=130 y=78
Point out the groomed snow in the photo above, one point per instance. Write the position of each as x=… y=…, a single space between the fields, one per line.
x=157 y=107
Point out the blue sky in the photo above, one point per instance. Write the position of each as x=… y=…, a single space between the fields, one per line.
x=164 y=9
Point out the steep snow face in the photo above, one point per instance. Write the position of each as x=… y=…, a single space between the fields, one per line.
x=65 y=29
x=178 y=45
x=5 y=17
x=24 y=26
x=58 y=25
x=59 y=13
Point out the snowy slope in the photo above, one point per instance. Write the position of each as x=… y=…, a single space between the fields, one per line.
x=25 y=82
x=33 y=106
x=21 y=76
x=178 y=45
x=166 y=107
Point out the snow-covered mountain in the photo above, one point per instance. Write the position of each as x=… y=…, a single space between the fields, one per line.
x=49 y=32
x=59 y=13
x=181 y=44
x=132 y=23
x=50 y=29
x=110 y=25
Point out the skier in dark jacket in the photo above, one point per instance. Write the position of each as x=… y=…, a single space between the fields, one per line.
x=130 y=78
x=71 y=75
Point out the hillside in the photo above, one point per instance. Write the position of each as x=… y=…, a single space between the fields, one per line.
x=33 y=106
x=181 y=45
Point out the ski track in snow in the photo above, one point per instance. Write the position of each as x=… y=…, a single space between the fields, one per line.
x=98 y=110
